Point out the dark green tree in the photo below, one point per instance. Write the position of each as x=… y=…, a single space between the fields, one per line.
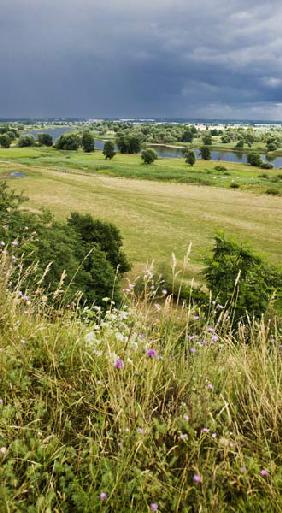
x=189 y=156
x=207 y=140
x=68 y=142
x=5 y=141
x=87 y=142
x=109 y=150
x=149 y=156
x=254 y=159
x=45 y=139
x=205 y=153
x=26 y=141
x=187 y=136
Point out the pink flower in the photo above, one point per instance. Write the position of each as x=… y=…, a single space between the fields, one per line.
x=210 y=386
x=119 y=363
x=154 y=506
x=103 y=496
x=151 y=353
x=264 y=473
x=197 y=478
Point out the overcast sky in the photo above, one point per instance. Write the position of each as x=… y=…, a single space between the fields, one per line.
x=131 y=58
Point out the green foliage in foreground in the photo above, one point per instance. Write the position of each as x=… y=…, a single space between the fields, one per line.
x=62 y=259
x=141 y=407
x=240 y=280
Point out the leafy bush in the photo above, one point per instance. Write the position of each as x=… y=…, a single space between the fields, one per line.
x=109 y=150
x=220 y=168
x=254 y=159
x=240 y=280
x=235 y=185
x=26 y=141
x=5 y=141
x=45 y=139
x=266 y=165
x=149 y=156
x=87 y=142
x=189 y=156
x=68 y=142
x=272 y=192
x=83 y=255
x=205 y=153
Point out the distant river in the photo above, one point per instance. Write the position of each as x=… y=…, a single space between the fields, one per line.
x=167 y=152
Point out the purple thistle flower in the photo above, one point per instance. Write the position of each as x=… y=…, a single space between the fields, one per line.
x=192 y=350
x=264 y=473
x=151 y=353
x=119 y=363
x=103 y=496
x=154 y=506
x=197 y=478
x=214 y=338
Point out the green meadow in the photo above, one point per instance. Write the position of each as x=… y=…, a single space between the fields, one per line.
x=159 y=209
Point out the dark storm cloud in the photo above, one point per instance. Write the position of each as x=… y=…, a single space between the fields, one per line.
x=141 y=58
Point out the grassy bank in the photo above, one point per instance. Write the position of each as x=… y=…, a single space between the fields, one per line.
x=145 y=409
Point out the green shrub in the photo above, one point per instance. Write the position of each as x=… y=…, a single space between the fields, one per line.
x=272 y=192
x=149 y=156
x=235 y=185
x=241 y=280
x=266 y=165
x=26 y=141
x=109 y=150
x=220 y=168
x=68 y=142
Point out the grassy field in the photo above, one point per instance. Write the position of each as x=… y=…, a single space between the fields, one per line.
x=141 y=411
x=154 y=218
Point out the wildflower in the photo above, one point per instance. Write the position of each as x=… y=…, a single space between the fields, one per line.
x=157 y=307
x=264 y=473
x=214 y=435
x=164 y=292
x=1 y=402
x=119 y=363
x=197 y=478
x=214 y=338
x=196 y=317
x=151 y=353
x=210 y=329
x=154 y=506
x=3 y=450
x=243 y=469
x=103 y=496
x=205 y=430
x=140 y=430
x=192 y=350
x=210 y=386
x=186 y=417
x=15 y=243
x=2 y=243
x=25 y=298
x=183 y=436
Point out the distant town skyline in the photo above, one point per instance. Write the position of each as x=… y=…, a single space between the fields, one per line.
x=121 y=58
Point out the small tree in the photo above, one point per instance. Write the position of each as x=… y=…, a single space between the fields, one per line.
x=45 y=139
x=205 y=153
x=254 y=159
x=189 y=156
x=207 y=140
x=187 y=136
x=68 y=142
x=5 y=141
x=26 y=141
x=149 y=156
x=109 y=150
x=87 y=142
x=240 y=280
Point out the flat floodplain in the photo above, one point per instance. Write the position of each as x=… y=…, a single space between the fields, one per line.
x=155 y=218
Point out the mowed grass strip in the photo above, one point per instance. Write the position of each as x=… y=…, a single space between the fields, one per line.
x=156 y=218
